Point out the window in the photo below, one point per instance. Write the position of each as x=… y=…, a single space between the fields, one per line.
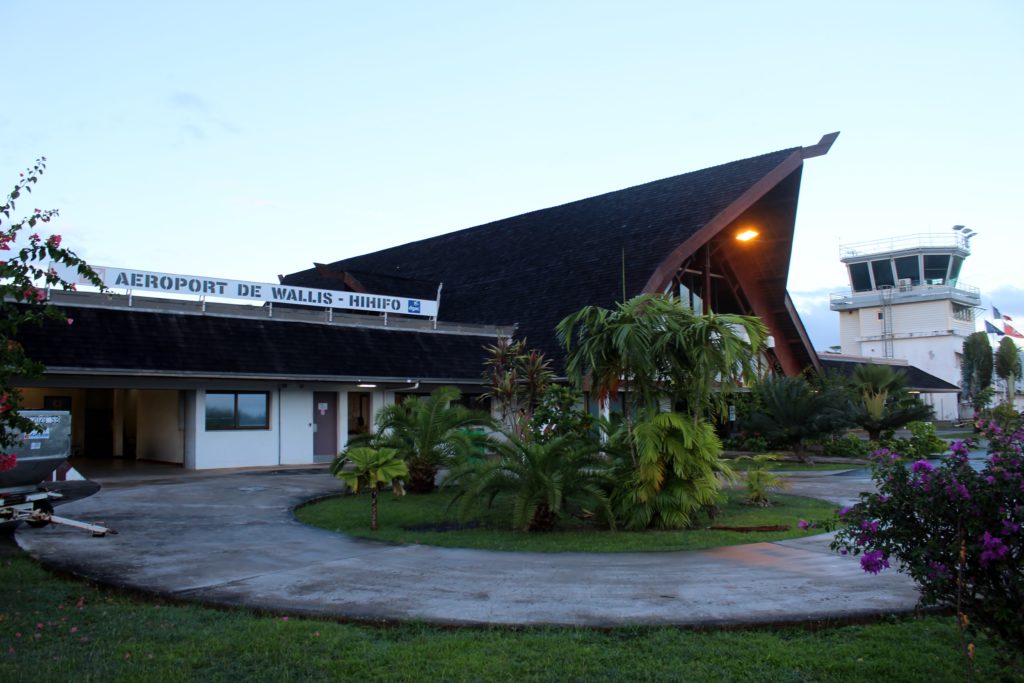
x=935 y=268
x=882 y=270
x=237 y=410
x=961 y=312
x=954 y=272
x=908 y=268
x=859 y=277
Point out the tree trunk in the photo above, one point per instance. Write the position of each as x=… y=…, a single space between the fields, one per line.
x=421 y=477
x=373 y=509
x=543 y=519
x=800 y=453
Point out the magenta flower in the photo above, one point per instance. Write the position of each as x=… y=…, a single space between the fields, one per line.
x=874 y=561
x=993 y=549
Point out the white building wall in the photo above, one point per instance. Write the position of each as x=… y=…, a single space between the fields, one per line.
x=190 y=430
x=160 y=430
x=926 y=334
x=870 y=325
x=236 y=448
x=926 y=317
x=849 y=333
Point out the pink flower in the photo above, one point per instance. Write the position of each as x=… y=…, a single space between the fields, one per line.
x=71 y=321
x=54 y=241
x=8 y=461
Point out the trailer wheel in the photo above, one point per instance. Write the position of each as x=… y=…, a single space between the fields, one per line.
x=40 y=506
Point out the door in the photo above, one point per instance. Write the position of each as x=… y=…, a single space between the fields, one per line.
x=325 y=423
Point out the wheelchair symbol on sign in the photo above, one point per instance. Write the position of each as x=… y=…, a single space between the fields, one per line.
x=414 y=306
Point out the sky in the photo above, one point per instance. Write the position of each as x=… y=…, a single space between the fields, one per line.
x=248 y=139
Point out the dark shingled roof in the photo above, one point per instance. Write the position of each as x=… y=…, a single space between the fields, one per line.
x=536 y=268
x=917 y=378
x=104 y=339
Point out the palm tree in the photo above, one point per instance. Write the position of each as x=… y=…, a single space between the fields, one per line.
x=886 y=404
x=372 y=467
x=667 y=469
x=658 y=350
x=546 y=481
x=430 y=433
x=655 y=347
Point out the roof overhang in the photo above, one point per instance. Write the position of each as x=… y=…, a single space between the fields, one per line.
x=770 y=203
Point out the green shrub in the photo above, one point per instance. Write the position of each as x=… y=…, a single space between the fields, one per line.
x=760 y=480
x=923 y=443
x=847 y=446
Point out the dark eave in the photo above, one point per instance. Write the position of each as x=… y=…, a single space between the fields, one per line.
x=122 y=342
x=917 y=379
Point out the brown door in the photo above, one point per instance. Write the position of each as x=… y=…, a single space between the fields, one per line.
x=325 y=423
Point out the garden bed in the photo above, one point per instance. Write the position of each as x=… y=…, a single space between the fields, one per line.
x=426 y=519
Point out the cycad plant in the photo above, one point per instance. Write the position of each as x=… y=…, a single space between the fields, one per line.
x=371 y=468
x=543 y=481
x=790 y=410
x=430 y=433
x=886 y=404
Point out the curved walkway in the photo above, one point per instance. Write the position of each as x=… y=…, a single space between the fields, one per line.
x=232 y=540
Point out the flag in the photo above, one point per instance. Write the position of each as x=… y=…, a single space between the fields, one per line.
x=1006 y=317
x=995 y=313
x=1012 y=332
x=992 y=329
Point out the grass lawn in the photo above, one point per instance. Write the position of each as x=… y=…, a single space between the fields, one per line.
x=53 y=629
x=411 y=519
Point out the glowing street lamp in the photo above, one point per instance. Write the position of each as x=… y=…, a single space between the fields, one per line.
x=747 y=235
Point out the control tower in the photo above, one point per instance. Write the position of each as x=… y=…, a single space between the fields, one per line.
x=906 y=301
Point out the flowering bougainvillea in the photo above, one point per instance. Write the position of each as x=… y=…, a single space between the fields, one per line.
x=955 y=528
x=26 y=274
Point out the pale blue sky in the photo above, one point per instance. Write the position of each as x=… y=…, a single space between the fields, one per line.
x=247 y=139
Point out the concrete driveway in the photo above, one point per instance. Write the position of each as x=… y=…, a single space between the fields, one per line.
x=232 y=540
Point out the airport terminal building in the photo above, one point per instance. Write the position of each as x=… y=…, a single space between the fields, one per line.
x=259 y=374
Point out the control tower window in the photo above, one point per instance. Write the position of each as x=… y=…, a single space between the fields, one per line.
x=859 y=277
x=954 y=272
x=883 y=274
x=935 y=268
x=908 y=268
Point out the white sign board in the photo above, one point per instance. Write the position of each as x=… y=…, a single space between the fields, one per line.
x=253 y=292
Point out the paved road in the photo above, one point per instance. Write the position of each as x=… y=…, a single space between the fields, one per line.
x=232 y=540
